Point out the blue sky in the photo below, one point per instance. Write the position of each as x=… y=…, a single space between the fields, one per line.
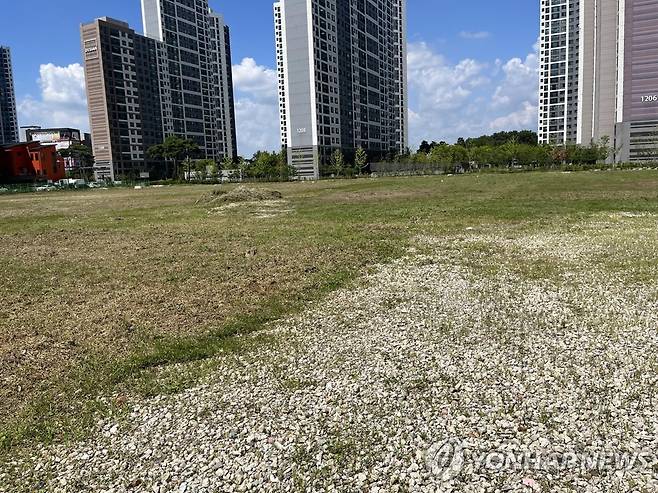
x=472 y=64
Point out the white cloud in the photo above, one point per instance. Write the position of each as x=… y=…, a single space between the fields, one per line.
x=62 y=84
x=474 y=34
x=520 y=81
x=438 y=84
x=62 y=103
x=524 y=118
x=518 y=93
x=256 y=107
x=256 y=80
x=257 y=126
x=470 y=97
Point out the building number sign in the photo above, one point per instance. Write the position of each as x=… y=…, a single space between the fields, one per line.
x=652 y=98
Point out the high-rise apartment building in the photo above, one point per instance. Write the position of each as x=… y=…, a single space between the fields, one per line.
x=559 y=48
x=8 y=117
x=174 y=80
x=129 y=105
x=342 y=79
x=599 y=75
x=200 y=79
x=636 y=130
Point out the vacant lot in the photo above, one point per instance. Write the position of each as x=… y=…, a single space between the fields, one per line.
x=102 y=291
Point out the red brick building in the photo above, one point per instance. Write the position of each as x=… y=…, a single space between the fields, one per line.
x=30 y=162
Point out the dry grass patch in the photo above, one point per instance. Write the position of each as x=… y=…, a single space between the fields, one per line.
x=133 y=279
x=98 y=287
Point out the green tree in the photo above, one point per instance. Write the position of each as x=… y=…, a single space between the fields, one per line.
x=481 y=155
x=459 y=155
x=511 y=152
x=82 y=159
x=528 y=137
x=426 y=147
x=360 y=160
x=242 y=167
x=559 y=154
x=337 y=162
x=285 y=171
x=174 y=149
x=501 y=138
x=604 y=149
x=441 y=154
x=228 y=163
x=526 y=155
x=263 y=165
x=213 y=169
x=203 y=168
x=420 y=158
x=541 y=155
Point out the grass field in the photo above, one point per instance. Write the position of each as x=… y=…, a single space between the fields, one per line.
x=103 y=290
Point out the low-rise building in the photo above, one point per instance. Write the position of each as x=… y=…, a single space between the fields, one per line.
x=30 y=162
x=24 y=129
x=61 y=138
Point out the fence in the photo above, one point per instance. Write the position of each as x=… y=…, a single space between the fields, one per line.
x=17 y=188
x=411 y=169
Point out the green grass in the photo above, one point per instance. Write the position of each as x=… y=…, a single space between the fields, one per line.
x=106 y=292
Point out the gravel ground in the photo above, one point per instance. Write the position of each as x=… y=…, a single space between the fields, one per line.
x=437 y=373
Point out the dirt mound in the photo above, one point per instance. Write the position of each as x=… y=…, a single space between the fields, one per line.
x=239 y=194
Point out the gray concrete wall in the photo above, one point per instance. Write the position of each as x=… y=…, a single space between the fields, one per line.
x=586 y=72
x=641 y=67
x=636 y=137
x=605 y=70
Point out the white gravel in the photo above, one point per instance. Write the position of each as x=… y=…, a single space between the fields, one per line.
x=452 y=344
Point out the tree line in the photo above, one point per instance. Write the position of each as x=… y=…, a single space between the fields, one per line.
x=181 y=159
x=505 y=149
x=181 y=156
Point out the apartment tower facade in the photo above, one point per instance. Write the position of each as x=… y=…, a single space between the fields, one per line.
x=599 y=75
x=129 y=106
x=559 y=50
x=636 y=130
x=8 y=116
x=174 y=80
x=342 y=79
x=199 y=73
